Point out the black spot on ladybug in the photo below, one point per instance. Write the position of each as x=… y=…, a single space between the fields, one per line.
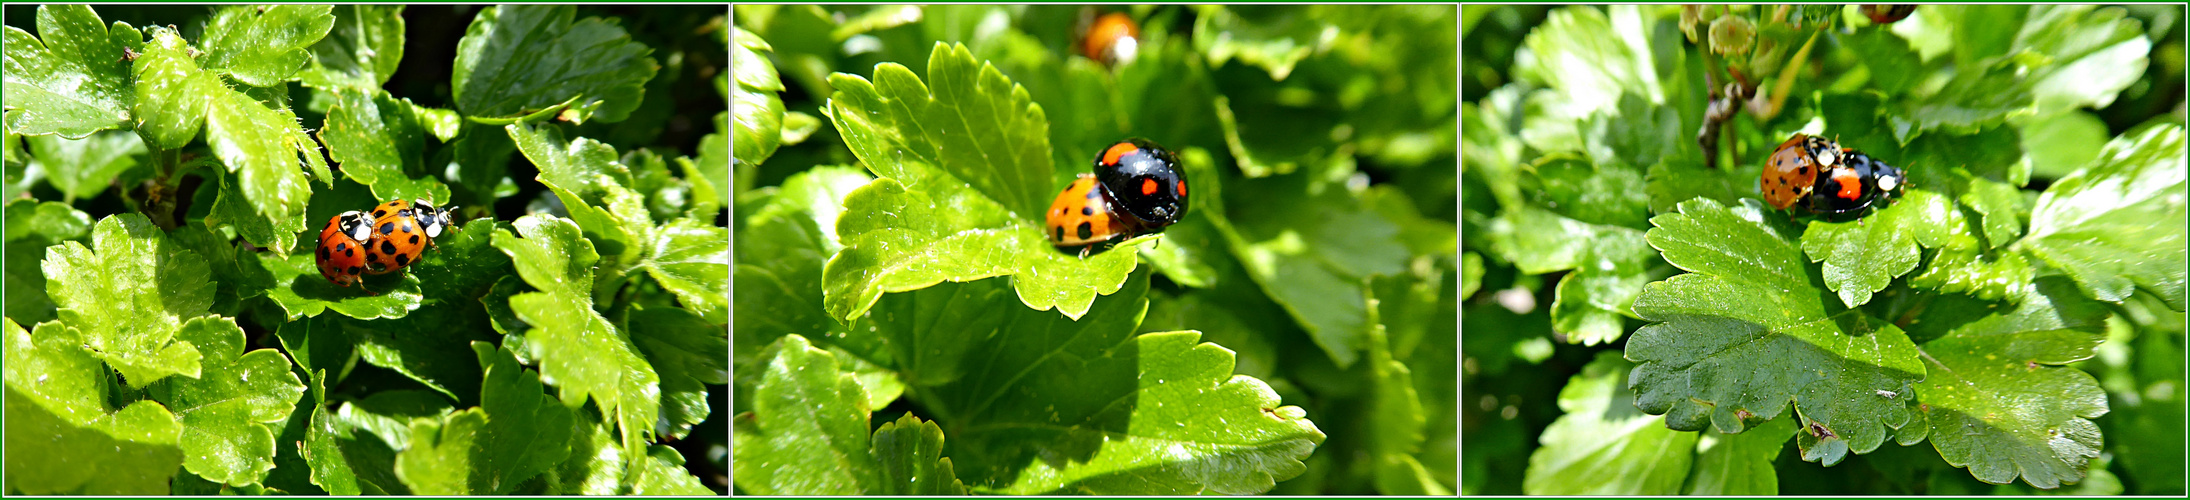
x=1087 y=210
x=387 y=246
x=406 y=227
x=349 y=252
x=414 y=239
x=1086 y=230
x=322 y=253
x=380 y=213
x=402 y=260
x=387 y=228
x=1060 y=232
x=354 y=269
x=403 y=213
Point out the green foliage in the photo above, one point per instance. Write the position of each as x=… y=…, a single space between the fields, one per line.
x=905 y=325
x=1973 y=312
x=166 y=192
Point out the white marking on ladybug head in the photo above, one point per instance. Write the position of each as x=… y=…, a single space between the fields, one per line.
x=1889 y=182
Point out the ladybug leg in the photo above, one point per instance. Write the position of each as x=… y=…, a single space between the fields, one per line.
x=1083 y=251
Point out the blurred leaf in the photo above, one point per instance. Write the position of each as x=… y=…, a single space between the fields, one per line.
x=1758 y=323
x=363 y=50
x=2058 y=145
x=65 y=437
x=1579 y=52
x=662 y=472
x=1602 y=446
x=32 y=227
x=518 y=59
x=131 y=296
x=83 y=168
x=72 y=79
x=264 y=46
x=2113 y=225
x=1270 y=37
x=1739 y=464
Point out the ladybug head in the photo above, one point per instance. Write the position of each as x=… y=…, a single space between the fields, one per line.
x=431 y=219
x=1145 y=180
x=354 y=225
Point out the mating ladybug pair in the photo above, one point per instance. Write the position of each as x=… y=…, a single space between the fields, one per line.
x=383 y=241
x=1136 y=189
x=1830 y=180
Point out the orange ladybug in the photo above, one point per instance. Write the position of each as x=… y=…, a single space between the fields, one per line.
x=1112 y=40
x=342 y=248
x=1791 y=172
x=400 y=232
x=1082 y=217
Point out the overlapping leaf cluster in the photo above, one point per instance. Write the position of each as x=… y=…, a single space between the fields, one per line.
x=1957 y=316
x=198 y=351
x=894 y=164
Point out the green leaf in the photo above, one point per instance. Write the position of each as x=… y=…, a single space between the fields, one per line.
x=759 y=110
x=232 y=208
x=1609 y=266
x=688 y=353
x=1753 y=328
x=1589 y=63
x=301 y=291
x=807 y=429
x=518 y=431
x=1396 y=419
x=73 y=78
x=264 y=46
x=32 y=226
x=63 y=437
x=1272 y=38
x=909 y=453
x=260 y=146
x=1996 y=401
x=172 y=93
x=83 y=168
x=1860 y=257
x=691 y=259
x=1739 y=464
x=1312 y=253
x=361 y=52
x=2058 y=145
x=225 y=411
x=714 y=160
x=1602 y=446
x=379 y=142
x=131 y=296
x=518 y=59
x=578 y=350
x=2113 y=225
x=584 y=166
x=967 y=120
x=2094 y=54
x=662 y=472
x=1122 y=413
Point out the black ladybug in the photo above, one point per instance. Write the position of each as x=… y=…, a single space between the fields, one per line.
x=1146 y=182
x=1857 y=184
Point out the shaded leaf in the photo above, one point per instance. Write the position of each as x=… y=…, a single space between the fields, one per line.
x=1602 y=446
x=518 y=59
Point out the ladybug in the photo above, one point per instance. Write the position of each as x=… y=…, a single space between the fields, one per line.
x=1791 y=172
x=1886 y=14
x=1136 y=189
x=400 y=232
x=342 y=247
x=1083 y=218
x=1145 y=182
x=1113 y=39
x=1855 y=185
